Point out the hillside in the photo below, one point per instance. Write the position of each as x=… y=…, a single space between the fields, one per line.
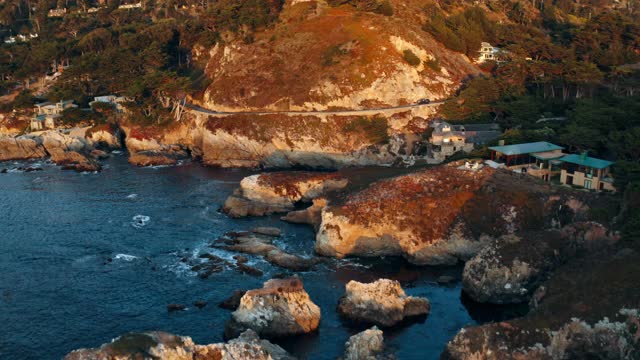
x=322 y=57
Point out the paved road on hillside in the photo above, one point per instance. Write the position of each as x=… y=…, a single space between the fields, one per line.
x=372 y=111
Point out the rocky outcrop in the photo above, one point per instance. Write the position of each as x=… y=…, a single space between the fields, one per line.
x=268 y=193
x=443 y=215
x=153 y=158
x=576 y=339
x=21 y=148
x=311 y=215
x=586 y=310
x=105 y=136
x=262 y=245
x=165 y=346
x=366 y=345
x=511 y=268
x=282 y=307
x=69 y=151
x=382 y=303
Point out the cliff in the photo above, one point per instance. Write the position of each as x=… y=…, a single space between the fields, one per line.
x=444 y=214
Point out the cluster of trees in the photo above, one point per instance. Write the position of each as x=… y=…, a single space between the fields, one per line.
x=143 y=53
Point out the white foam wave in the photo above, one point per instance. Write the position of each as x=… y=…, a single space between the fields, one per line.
x=125 y=257
x=140 y=221
x=132 y=196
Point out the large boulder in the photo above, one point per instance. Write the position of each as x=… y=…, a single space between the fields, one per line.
x=268 y=193
x=366 y=345
x=21 y=148
x=383 y=303
x=165 y=346
x=281 y=308
x=511 y=268
x=443 y=215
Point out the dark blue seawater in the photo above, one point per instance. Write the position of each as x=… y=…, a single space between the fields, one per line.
x=59 y=292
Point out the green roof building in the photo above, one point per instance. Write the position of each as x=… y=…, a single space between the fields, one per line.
x=586 y=171
x=539 y=159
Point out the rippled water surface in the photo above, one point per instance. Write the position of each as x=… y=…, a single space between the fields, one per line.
x=87 y=257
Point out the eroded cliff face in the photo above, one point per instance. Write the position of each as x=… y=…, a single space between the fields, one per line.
x=322 y=57
x=442 y=215
x=283 y=140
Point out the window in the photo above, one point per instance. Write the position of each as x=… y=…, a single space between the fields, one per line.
x=587 y=184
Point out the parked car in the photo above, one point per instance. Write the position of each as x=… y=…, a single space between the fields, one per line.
x=423 y=101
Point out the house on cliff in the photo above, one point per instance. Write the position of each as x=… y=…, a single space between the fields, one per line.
x=46 y=114
x=545 y=160
x=488 y=52
x=447 y=139
x=116 y=101
x=586 y=171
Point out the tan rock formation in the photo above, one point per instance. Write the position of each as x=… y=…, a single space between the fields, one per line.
x=165 y=346
x=442 y=215
x=69 y=151
x=267 y=193
x=282 y=307
x=21 y=148
x=382 y=302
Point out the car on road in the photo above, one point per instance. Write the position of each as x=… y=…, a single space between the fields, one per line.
x=424 y=101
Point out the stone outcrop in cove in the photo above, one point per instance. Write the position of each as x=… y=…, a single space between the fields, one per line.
x=442 y=215
x=511 y=268
x=282 y=307
x=21 y=148
x=383 y=303
x=165 y=346
x=260 y=244
x=267 y=193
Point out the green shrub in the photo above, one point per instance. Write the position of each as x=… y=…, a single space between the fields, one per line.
x=411 y=58
x=385 y=8
x=433 y=64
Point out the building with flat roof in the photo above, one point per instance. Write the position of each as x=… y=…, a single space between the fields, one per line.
x=539 y=159
x=586 y=171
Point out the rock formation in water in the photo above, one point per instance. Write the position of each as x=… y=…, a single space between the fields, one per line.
x=511 y=268
x=382 y=303
x=281 y=308
x=259 y=244
x=443 y=215
x=165 y=346
x=365 y=345
x=269 y=193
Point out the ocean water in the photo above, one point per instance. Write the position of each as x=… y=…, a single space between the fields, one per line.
x=87 y=257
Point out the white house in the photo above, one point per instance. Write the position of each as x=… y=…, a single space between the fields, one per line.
x=46 y=114
x=116 y=101
x=488 y=53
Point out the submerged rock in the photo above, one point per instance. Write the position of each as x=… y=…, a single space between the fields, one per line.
x=175 y=307
x=281 y=308
x=262 y=245
x=165 y=346
x=269 y=193
x=382 y=303
x=512 y=267
x=366 y=345
x=155 y=158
